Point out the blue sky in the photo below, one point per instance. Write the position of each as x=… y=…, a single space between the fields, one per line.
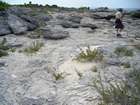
x=83 y=3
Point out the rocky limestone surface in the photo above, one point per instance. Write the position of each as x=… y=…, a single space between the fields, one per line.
x=28 y=79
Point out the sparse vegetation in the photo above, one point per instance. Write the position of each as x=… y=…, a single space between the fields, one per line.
x=94 y=69
x=138 y=46
x=122 y=93
x=127 y=65
x=3 y=5
x=80 y=10
x=89 y=55
x=34 y=47
x=131 y=40
x=2 y=49
x=79 y=73
x=57 y=76
x=13 y=49
x=123 y=51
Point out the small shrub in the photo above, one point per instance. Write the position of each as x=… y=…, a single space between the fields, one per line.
x=79 y=73
x=89 y=54
x=13 y=49
x=20 y=51
x=127 y=65
x=94 y=69
x=2 y=48
x=120 y=51
x=57 y=75
x=80 y=10
x=129 y=53
x=34 y=47
x=100 y=58
x=138 y=46
x=131 y=40
x=120 y=94
x=37 y=31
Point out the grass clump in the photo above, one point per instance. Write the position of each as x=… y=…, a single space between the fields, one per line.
x=80 y=10
x=94 y=69
x=2 y=48
x=89 y=55
x=127 y=65
x=13 y=49
x=138 y=46
x=122 y=50
x=120 y=94
x=34 y=47
x=79 y=73
x=57 y=76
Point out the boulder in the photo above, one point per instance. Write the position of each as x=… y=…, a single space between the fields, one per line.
x=15 y=10
x=6 y=97
x=4 y=28
x=17 y=25
x=53 y=33
x=11 y=42
x=69 y=24
x=44 y=17
x=75 y=19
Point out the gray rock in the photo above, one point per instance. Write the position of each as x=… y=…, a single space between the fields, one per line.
x=44 y=17
x=30 y=26
x=4 y=28
x=15 y=10
x=32 y=20
x=11 y=42
x=69 y=24
x=75 y=19
x=52 y=33
x=60 y=17
x=17 y=25
x=5 y=96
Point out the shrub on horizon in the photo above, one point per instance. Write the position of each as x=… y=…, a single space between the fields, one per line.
x=3 y=5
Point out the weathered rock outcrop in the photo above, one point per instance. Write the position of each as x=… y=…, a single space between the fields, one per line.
x=17 y=25
x=52 y=33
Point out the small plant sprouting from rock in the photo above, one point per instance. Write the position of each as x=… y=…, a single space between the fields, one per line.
x=79 y=73
x=127 y=65
x=57 y=76
x=94 y=69
x=2 y=49
x=122 y=50
x=13 y=49
x=34 y=47
x=138 y=46
x=126 y=93
x=131 y=40
x=89 y=55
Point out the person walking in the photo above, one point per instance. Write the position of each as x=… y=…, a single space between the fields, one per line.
x=119 y=22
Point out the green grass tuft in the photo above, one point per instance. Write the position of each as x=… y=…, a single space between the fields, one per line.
x=34 y=47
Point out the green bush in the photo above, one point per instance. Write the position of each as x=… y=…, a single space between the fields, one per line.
x=34 y=47
x=89 y=55
x=80 y=10
x=3 y=5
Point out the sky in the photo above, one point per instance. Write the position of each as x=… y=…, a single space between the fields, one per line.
x=83 y=3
